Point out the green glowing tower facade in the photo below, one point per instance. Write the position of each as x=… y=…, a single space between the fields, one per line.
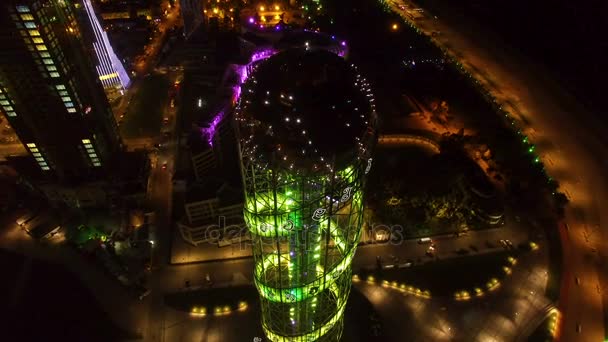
x=307 y=128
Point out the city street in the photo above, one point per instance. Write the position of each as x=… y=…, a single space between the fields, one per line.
x=571 y=147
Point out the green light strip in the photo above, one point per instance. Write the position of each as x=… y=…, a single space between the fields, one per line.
x=277 y=213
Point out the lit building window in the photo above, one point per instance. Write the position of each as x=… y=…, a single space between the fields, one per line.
x=37 y=40
x=54 y=74
x=41 y=47
x=4 y=102
x=23 y=9
x=71 y=110
x=51 y=68
x=25 y=17
x=60 y=87
x=91 y=152
x=47 y=61
x=30 y=25
x=69 y=104
x=63 y=93
x=38 y=156
x=34 y=33
x=66 y=99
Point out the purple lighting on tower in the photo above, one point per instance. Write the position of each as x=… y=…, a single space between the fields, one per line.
x=243 y=74
x=251 y=21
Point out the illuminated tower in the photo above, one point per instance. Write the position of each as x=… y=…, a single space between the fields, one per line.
x=307 y=128
x=109 y=68
x=49 y=91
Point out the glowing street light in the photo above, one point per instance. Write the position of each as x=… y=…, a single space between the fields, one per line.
x=262 y=8
x=395 y=27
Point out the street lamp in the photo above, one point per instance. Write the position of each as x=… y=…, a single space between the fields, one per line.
x=394 y=27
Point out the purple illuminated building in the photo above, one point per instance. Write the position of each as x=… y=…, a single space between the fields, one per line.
x=243 y=72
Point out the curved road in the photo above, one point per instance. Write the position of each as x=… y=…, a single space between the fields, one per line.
x=571 y=143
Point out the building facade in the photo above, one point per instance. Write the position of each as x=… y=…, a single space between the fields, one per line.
x=50 y=92
x=110 y=69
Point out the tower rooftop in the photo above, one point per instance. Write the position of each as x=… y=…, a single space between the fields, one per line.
x=303 y=108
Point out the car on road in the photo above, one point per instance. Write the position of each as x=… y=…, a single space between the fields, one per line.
x=507 y=244
x=405 y=264
x=165 y=121
x=425 y=240
x=164 y=166
x=142 y=293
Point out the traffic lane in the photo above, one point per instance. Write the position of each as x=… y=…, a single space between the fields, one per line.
x=483 y=240
x=174 y=277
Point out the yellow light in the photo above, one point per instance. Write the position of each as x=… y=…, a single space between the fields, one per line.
x=277 y=8
x=215 y=11
x=395 y=27
x=277 y=17
x=108 y=76
x=262 y=8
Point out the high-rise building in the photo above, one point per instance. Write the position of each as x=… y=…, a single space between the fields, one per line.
x=306 y=124
x=50 y=92
x=109 y=68
x=192 y=15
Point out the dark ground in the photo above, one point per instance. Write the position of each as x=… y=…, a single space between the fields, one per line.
x=44 y=302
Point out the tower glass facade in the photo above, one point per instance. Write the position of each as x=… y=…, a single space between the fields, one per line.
x=307 y=128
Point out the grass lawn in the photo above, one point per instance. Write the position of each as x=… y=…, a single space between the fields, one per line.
x=444 y=277
x=144 y=115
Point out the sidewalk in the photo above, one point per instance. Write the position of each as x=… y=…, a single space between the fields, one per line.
x=185 y=253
